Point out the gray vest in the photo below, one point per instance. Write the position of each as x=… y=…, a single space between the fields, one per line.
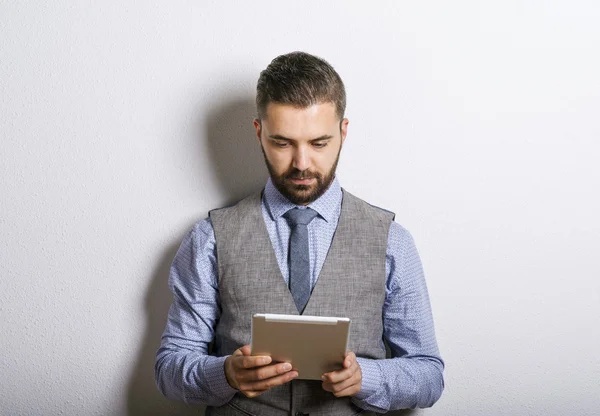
x=351 y=284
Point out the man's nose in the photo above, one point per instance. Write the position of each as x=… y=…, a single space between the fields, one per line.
x=301 y=159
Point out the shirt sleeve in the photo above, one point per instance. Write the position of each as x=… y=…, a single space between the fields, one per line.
x=184 y=370
x=413 y=375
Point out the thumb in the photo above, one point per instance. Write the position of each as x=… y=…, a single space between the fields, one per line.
x=245 y=350
x=349 y=359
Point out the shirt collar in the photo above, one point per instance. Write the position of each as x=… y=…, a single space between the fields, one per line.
x=327 y=205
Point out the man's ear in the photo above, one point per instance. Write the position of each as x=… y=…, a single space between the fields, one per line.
x=258 y=127
x=344 y=128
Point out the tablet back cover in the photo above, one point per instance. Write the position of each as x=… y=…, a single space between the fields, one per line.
x=312 y=347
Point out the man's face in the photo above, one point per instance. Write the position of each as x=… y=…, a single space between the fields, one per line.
x=301 y=148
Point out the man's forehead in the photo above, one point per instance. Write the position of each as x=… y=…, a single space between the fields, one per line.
x=279 y=110
x=314 y=120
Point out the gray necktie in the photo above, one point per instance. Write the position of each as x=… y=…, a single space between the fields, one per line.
x=298 y=258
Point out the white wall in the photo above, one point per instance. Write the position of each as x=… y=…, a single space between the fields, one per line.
x=476 y=122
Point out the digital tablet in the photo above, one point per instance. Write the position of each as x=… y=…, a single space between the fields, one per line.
x=312 y=344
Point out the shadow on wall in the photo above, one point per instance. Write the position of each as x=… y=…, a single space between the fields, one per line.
x=234 y=151
x=143 y=398
x=238 y=170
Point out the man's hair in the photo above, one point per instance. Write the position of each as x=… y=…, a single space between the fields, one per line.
x=301 y=80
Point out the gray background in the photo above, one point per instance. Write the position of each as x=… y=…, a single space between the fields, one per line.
x=125 y=122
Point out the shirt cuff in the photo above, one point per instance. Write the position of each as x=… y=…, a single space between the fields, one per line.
x=371 y=378
x=215 y=373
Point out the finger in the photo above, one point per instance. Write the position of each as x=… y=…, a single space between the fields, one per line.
x=349 y=359
x=342 y=385
x=246 y=362
x=269 y=383
x=339 y=375
x=245 y=350
x=263 y=373
x=350 y=391
x=349 y=363
x=253 y=393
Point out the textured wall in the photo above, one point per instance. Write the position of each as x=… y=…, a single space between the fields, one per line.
x=124 y=122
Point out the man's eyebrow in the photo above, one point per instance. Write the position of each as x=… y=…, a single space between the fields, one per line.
x=280 y=137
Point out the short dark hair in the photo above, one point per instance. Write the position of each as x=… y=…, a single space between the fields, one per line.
x=301 y=80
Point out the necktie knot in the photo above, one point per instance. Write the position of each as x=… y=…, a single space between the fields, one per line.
x=297 y=216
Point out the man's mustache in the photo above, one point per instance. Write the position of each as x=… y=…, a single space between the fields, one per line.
x=296 y=174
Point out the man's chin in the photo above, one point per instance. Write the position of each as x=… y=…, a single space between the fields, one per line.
x=302 y=194
x=301 y=189
x=299 y=194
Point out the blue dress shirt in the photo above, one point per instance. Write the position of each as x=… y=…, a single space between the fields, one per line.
x=412 y=377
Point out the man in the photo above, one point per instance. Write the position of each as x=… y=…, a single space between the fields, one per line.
x=353 y=260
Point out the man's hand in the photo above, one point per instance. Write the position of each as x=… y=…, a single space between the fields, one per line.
x=253 y=375
x=344 y=382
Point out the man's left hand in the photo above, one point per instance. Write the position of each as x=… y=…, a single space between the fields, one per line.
x=344 y=382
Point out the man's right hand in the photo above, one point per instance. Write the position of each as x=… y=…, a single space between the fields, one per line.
x=253 y=375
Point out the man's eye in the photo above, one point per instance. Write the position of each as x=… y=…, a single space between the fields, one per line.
x=281 y=144
x=320 y=144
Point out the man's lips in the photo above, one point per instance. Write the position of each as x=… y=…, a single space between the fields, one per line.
x=302 y=181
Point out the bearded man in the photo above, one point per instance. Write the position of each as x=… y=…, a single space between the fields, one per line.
x=359 y=264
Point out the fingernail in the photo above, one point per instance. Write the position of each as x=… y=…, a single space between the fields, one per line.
x=287 y=367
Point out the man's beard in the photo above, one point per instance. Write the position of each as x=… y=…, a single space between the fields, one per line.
x=302 y=194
